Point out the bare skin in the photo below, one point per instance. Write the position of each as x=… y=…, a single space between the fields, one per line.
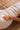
x=11 y=18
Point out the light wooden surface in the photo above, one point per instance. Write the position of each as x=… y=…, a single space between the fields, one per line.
x=7 y=3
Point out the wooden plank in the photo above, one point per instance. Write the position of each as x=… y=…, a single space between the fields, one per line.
x=7 y=3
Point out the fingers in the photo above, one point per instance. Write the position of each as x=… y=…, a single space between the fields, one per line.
x=11 y=18
x=8 y=18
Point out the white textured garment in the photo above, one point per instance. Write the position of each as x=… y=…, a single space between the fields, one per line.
x=12 y=11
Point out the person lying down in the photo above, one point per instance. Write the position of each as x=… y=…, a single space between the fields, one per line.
x=11 y=13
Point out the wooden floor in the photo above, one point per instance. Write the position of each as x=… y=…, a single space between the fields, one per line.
x=7 y=3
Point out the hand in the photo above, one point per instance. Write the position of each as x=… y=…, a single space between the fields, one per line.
x=8 y=18
x=11 y=18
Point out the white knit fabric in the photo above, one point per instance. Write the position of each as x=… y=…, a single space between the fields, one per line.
x=12 y=11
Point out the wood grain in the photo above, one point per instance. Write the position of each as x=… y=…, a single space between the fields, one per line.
x=7 y=3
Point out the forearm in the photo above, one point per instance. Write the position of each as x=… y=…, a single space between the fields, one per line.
x=17 y=19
